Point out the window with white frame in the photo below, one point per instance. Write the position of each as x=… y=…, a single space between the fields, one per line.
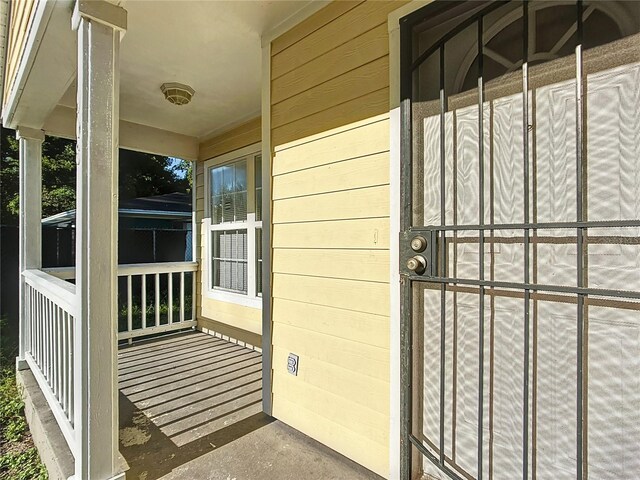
x=234 y=221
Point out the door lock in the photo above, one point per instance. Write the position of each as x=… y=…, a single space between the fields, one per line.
x=417 y=264
x=418 y=253
x=418 y=243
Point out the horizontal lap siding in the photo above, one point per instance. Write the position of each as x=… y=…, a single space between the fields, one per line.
x=246 y=134
x=228 y=319
x=330 y=239
x=20 y=16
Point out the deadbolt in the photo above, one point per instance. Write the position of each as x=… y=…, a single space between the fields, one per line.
x=417 y=264
x=418 y=252
x=418 y=243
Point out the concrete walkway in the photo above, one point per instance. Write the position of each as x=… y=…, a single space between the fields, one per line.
x=190 y=408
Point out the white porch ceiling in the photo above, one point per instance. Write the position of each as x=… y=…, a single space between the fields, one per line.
x=213 y=46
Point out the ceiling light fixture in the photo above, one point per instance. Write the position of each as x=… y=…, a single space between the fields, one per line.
x=177 y=93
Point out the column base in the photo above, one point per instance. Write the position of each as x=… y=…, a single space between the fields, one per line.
x=21 y=364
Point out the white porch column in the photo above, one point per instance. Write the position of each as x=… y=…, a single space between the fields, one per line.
x=30 y=141
x=99 y=25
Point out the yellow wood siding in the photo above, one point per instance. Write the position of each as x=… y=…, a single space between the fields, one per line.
x=330 y=238
x=246 y=134
x=229 y=319
x=367 y=265
x=232 y=320
x=315 y=22
x=368 y=233
x=370 y=77
x=20 y=16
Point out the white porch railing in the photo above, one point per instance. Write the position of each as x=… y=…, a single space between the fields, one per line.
x=50 y=310
x=152 y=297
x=159 y=297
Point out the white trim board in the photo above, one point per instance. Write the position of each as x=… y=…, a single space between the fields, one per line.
x=287 y=24
x=267 y=158
x=36 y=29
x=133 y=136
x=305 y=12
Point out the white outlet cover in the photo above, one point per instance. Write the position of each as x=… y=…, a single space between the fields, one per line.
x=292 y=364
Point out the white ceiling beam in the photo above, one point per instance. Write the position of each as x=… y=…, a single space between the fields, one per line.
x=133 y=136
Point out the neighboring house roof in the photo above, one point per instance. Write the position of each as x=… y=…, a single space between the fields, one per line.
x=170 y=202
x=174 y=206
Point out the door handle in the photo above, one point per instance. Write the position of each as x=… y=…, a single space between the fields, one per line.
x=417 y=264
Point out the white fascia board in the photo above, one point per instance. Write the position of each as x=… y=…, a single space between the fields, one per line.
x=37 y=27
x=4 y=35
x=60 y=217
x=131 y=212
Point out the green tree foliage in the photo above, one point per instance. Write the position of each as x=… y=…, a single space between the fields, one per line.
x=184 y=168
x=141 y=175
x=8 y=178
x=58 y=176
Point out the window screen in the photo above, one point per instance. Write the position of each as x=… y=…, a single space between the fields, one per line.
x=258 y=180
x=259 y=261
x=229 y=260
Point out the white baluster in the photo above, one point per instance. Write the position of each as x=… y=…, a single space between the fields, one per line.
x=170 y=296
x=182 y=296
x=157 y=285
x=144 y=301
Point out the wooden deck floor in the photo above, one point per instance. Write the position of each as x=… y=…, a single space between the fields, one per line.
x=190 y=408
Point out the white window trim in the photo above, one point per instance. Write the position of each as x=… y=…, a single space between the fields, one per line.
x=251 y=299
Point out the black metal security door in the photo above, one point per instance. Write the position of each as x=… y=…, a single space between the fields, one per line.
x=520 y=250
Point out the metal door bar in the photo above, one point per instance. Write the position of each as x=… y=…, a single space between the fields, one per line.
x=406 y=187
x=481 y=243
x=527 y=292
x=443 y=252
x=467 y=23
x=580 y=232
x=529 y=226
x=585 y=291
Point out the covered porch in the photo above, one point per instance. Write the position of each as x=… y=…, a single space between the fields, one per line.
x=190 y=407
x=177 y=407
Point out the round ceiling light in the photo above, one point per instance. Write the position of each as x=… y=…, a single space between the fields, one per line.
x=177 y=93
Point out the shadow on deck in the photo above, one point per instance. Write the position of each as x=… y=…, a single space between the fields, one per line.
x=190 y=408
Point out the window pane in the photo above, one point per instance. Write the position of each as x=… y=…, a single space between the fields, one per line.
x=216 y=181
x=227 y=208
x=240 y=206
x=240 y=191
x=240 y=176
x=258 y=180
x=228 y=175
x=228 y=195
x=259 y=261
x=258 y=171
x=216 y=209
x=229 y=260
